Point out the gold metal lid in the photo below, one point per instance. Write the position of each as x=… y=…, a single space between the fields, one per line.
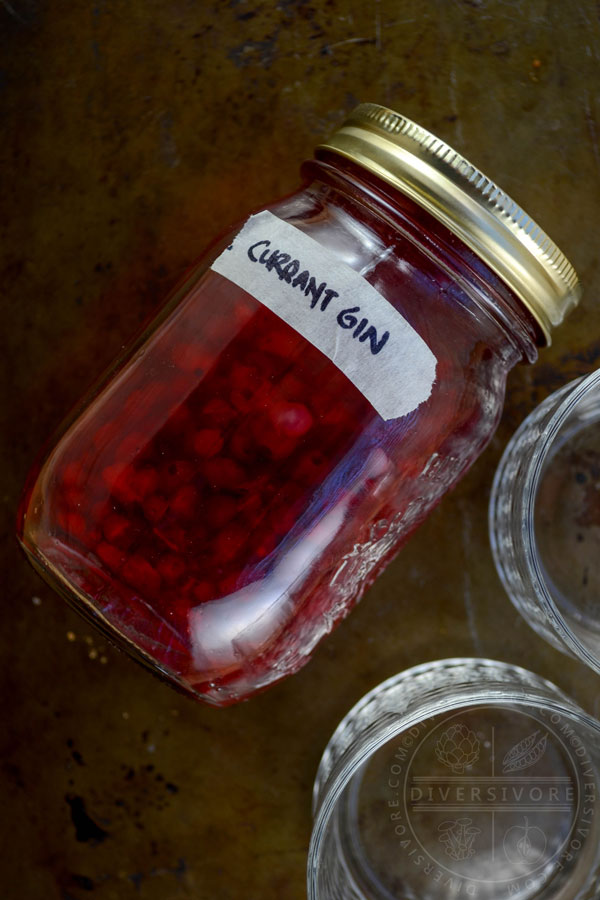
x=474 y=208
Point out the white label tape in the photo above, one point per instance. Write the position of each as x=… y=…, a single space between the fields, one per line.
x=334 y=308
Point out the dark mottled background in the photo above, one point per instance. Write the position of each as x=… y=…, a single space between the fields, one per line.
x=131 y=133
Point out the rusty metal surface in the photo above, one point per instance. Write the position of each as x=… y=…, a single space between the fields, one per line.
x=132 y=133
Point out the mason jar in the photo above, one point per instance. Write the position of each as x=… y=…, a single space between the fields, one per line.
x=323 y=375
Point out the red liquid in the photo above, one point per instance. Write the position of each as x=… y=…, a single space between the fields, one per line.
x=230 y=494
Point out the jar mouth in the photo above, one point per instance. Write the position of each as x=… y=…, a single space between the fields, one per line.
x=453 y=697
x=468 y=203
x=505 y=692
x=566 y=401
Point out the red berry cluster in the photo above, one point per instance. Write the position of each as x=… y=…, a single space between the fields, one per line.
x=182 y=488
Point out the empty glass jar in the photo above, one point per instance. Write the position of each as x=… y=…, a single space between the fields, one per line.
x=459 y=778
x=544 y=519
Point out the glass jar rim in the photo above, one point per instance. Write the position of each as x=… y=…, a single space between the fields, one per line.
x=572 y=394
x=446 y=701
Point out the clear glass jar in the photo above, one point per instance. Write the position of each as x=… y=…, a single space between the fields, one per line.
x=459 y=778
x=543 y=519
x=228 y=491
